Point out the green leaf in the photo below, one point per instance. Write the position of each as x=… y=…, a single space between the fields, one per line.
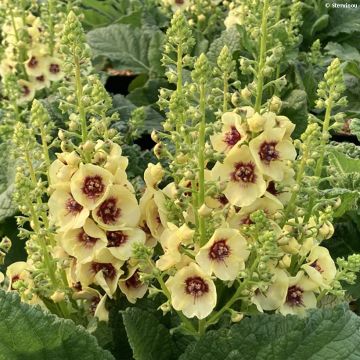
x=320 y=24
x=230 y=38
x=343 y=51
x=349 y=199
x=326 y=334
x=149 y=339
x=7 y=177
x=127 y=47
x=343 y=163
x=29 y=333
x=294 y=106
x=344 y=21
x=355 y=127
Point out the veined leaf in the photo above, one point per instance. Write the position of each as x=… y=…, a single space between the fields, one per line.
x=127 y=47
x=29 y=333
x=342 y=163
x=355 y=127
x=326 y=334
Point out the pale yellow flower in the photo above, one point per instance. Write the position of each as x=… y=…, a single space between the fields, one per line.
x=36 y=64
x=17 y=271
x=320 y=267
x=192 y=292
x=65 y=211
x=271 y=152
x=40 y=82
x=171 y=240
x=236 y=16
x=83 y=243
x=177 y=4
x=299 y=296
x=224 y=255
x=90 y=185
x=120 y=242
x=153 y=175
x=232 y=133
x=27 y=91
x=62 y=169
x=118 y=210
x=245 y=182
x=104 y=270
x=275 y=295
x=54 y=69
x=132 y=287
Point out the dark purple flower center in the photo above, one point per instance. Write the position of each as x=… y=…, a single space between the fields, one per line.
x=232 y=137
x=272 y=189
x=72 y=206
x=133 y=281
x=246 y=221
x=316 y=266
x=108 y=211
x=294 y=296
x=40 y=78
x=93 y=186
x=94 y=302
x=116 y=238
x=54 y=68
x=244 y=172
x=25 y=90
x=196 y=286
x=87 y=240
x=33 y=62
x=77 y=286
x=14 y=279
x=179 y=2
x=222 y=199
x=268 y=152
x=107 y=269
x=219 y=250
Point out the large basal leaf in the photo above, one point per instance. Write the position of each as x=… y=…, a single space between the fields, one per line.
x=343 y=163
x=7 y=176
x=355 y=127
x=344 y=21
x=149 y=339
x=127 y=47
x=326 y=334
x=28 y=333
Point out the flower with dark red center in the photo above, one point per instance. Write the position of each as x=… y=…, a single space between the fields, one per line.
x=54 y=68
x=224 y=254
x=118 y=210
x=134 y=280
x=294 y=296
x=244 y=172
x=271 y=188
x=232 y=133
x=132 y=286
x=90 y=184
x=244 y=182
x=40 y=78
x=86 y=240
x=65 y=211
x=196 y=286
x=108 y=211
x=316 y=266
x=33 y=62
x=116 y=238
x=106 y=268
x=271 y=151
x=219 y=250
x=268 y=152
x=192 y=291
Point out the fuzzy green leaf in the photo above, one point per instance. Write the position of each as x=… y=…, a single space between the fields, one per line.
x=127 y=47
x=344 y=21
x=149 y=339
x=29 y=333
x=355 y=127
x=344 y=164
x=326 y=334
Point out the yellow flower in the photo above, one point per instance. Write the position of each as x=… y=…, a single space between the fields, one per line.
x=153 y=175
x=171 y=239
x=118 y=210
x=83 y=243
x=62 y=169
x=7 y=67
x=269 y=205
x=96 y=302
x=90 y=185
x=36 y=64
x=284 y=123
x=27 y=91
x=271 y=152
x=245 y=182
x=282 y=192
x=299 y=296
x=224 y=254
x=192 y=292
x=232 y=133
x=132 y=286
x=275 y=294
x=320 y=267
x=120 y=242
x=17 y=271
x=177 y=4
x=104 y=270
x=65 y=211
x=236 y=16
x=54 y=69
x=40 y=81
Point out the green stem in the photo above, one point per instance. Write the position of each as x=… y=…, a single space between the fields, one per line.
x=79 y=95
x=226 y=90
x=202 y=327
x=51 y=27
x=262 y=57
x=201 y=159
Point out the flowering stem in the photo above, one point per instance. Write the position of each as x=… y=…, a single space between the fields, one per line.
x=201 y=156
x=262 y=57
x=79 y=95
x=226 y=89
x=51 y=27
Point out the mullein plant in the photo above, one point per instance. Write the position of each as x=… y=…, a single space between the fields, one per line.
x=233 y=213
x=80 y=236
x=30 y=61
